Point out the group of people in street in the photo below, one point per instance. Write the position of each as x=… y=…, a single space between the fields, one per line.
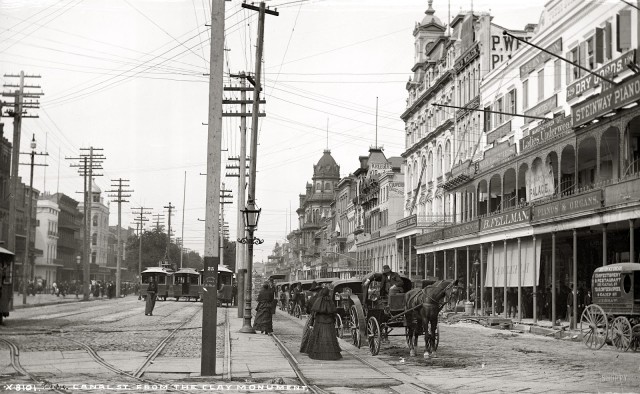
x=319 y=337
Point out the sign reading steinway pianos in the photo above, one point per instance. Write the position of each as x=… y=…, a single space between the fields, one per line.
x=607 y=101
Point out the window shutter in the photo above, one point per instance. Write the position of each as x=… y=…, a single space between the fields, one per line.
x=599 y=45
x=583 y=56
x=623 y=30
x=608 y=41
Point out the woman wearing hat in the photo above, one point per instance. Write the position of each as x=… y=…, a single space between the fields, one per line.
x=323 y=344
x=309 y=304
x=264 y=320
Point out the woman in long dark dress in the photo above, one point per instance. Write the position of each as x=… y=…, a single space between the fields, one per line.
x=307 y=332
x=323 y=344
x=264 y=320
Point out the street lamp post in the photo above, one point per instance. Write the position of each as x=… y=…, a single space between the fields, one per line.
x=250 y=215
x=476 y=267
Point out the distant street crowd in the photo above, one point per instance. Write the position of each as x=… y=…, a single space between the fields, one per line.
x=98 y=289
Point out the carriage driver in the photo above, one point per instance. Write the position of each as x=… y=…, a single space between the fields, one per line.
x=391 y=282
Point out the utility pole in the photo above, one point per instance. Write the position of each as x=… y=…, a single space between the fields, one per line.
x=27 y=260
x=251 y=195
x=141 y=213
x=156 y=218
x=18 y=113
x=214 y=155
x=223 y=197
x=184 y=198
x=170 y=208
x=241 y=250
x=90 y=162
x=120 y=196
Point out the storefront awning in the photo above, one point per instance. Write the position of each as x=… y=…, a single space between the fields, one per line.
x=496 y=272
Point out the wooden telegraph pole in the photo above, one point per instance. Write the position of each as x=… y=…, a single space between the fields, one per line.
x=120 y=195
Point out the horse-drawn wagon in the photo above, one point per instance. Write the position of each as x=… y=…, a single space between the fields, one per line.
x=345 y=292
x=615 y=311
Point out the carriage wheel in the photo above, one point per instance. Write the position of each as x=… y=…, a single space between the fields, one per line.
x=621 y=334
x=339 y=327
x=373 y=335
x=297 y=311
x=356 y=338
x=594 y=327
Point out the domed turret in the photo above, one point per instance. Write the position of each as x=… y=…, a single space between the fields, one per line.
x=430 y=17
x=94 y=187
x=326 y=167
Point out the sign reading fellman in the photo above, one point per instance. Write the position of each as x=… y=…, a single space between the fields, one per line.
x=607 y=101
x=516 y=216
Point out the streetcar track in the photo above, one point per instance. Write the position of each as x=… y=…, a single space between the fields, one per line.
x=14 y=352
x=293 y=362
x=137 y=375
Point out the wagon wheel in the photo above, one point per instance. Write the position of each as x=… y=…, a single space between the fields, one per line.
x=621 y=334
x=339 y=326
x=373 y=335
x=635 y=338
x=356 y=338
x=297 y=311
x=594 y=327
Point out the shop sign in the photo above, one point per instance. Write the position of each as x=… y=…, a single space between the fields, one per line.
x=609 y=70
x=461 y=229
x=606 y=285
x=540 y=181
x=429 y=237
x=566 y=206
x=517 y=216
x=606 y=101
x=396 y=188
x=462 y=168
x=467 y=58
x=623 y=192
x=474 y=103
x=554 y=128
x=496 y=155
x=410 y=221
x=541 y=58
x=542 y=108
x=376 y=168
x=499 y=133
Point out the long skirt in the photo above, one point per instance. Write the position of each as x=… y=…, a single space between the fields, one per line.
x=323 y=344
x=151 y=303
x=305 y=335
x=264 y=320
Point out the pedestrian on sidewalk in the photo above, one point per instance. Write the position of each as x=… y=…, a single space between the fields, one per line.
x=323 y=344
x=152 y=290
x=306 y=332
x=264 y=318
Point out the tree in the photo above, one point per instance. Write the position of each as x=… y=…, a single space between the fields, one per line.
x=154 y=251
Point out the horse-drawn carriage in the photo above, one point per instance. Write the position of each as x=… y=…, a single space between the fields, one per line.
x=342 y=291
x=615 y=312
x=373 y=318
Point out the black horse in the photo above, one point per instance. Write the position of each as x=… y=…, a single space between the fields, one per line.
x=422 y=307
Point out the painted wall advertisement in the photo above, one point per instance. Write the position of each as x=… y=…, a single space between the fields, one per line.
x=539 y=181
x=496 y=272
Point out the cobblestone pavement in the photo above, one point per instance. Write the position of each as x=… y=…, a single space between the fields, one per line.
x=473 y=358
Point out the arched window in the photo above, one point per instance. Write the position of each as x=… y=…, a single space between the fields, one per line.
x=95 y=220
x=94 y=239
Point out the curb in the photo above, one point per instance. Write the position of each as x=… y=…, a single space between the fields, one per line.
x=26 y=306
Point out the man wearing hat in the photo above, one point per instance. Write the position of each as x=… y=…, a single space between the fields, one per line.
x=391 y=282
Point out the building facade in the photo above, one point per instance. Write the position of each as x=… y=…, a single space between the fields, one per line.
x=561 y=172
x=47 y=264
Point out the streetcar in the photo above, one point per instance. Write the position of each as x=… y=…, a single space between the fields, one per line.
x=615 y=312
x=6 y=282
x=186 y=284
x=163 y=278
x=225 y=278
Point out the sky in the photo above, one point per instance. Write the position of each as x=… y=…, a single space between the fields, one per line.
x=130 y=77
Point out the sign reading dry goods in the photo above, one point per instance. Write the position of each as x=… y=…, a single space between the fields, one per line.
x=566 y=206
x=609 y=70
x=407 y=222
x=607 y=101
x=461 y=229
x=516 y=216
x=606 y=285
x=554 y=128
